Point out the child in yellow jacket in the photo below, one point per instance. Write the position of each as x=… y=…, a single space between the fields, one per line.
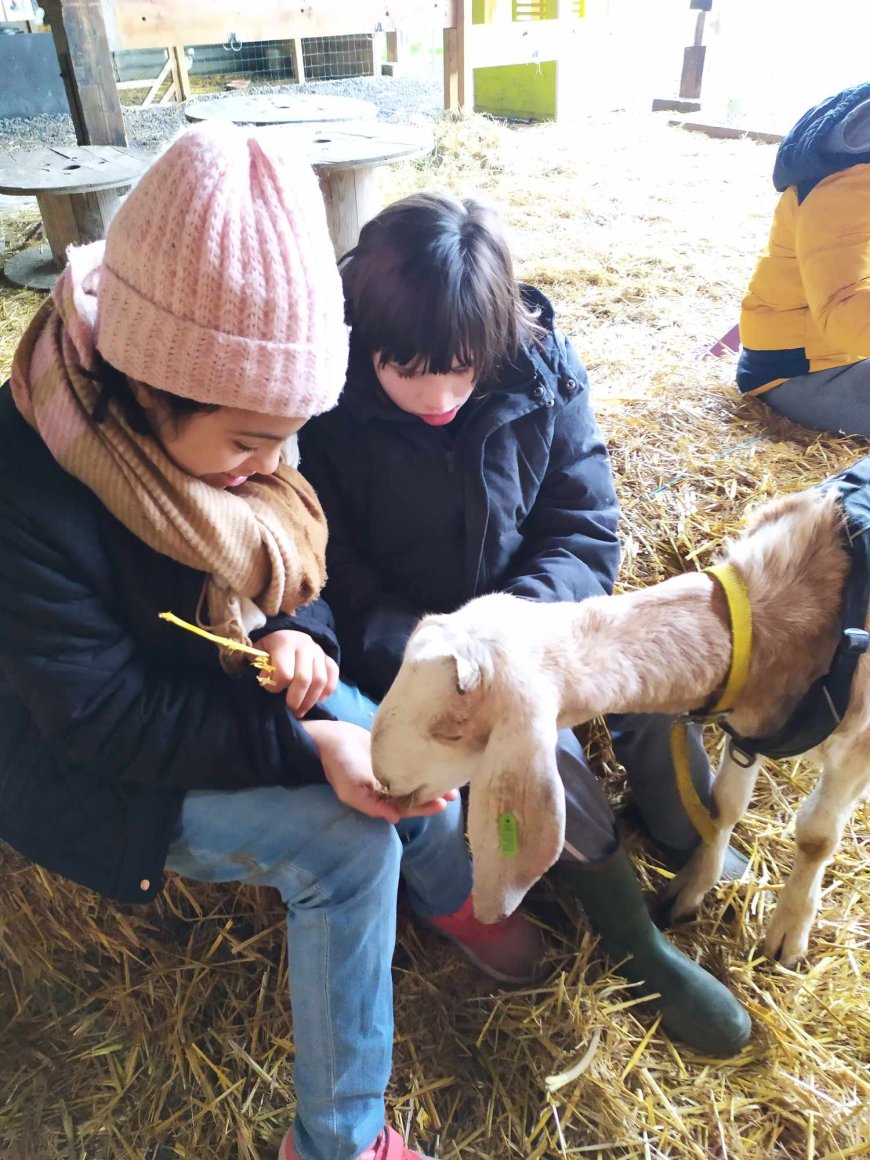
x=805 y=320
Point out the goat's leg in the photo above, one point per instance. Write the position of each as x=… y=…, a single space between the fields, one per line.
x=732 y=791
x=818 y=828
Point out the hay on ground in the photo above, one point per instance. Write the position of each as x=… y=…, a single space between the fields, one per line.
x=127 y=1029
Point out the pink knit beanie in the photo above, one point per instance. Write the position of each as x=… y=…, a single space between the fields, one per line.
x=219 y=279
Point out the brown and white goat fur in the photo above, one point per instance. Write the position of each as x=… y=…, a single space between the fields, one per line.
x=482 y=692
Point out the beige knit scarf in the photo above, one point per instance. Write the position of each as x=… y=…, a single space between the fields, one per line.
x=261 y=546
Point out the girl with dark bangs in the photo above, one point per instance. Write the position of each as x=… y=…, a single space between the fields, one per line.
x=464 y=458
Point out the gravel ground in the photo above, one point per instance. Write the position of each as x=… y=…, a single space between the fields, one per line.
x=402 y=99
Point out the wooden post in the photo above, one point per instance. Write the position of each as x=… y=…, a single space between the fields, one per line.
x=298 y=60
x=351 y=198
x=72 y=221
x=79 y=32
x=693 y=56
x=458 y=75
x=180 y=79
x=157 y=83
x=393 y=41
x=397 y=53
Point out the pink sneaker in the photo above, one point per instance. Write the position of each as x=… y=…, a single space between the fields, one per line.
x=389 y=1145
x=511 y=951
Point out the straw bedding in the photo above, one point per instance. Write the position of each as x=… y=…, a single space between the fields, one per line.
x=129 y=1032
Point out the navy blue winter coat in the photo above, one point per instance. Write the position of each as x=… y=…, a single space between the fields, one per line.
x=108 y=716
x=515 y=495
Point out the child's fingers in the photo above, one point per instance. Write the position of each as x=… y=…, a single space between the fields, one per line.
x=319 y=677
x=436 y=806
x=301 y=682
x=425 y=809
x=378 y=807
x=366 y=798
x=331 y=677
x=279 y=678
x=283 y=662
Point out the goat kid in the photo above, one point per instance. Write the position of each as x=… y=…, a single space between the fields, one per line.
x=482 y=692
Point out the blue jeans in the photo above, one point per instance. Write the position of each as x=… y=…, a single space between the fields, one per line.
x=337 y=872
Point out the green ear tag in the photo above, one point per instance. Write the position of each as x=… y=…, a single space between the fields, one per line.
x=508 y=834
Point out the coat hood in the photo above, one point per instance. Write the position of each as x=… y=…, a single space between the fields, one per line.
x=831 y=136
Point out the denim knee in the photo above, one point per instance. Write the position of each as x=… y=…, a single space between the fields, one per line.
x=355 y=856
x=302 y=841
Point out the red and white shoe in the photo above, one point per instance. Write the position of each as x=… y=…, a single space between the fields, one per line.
x=511 y=951
x=389 y=1145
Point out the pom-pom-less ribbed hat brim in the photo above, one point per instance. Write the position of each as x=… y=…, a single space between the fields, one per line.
x=296 y=380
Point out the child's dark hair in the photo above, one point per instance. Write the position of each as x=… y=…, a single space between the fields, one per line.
x=114 y=388
x=430 y=285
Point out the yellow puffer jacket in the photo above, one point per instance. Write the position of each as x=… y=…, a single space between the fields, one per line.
x=808 y=303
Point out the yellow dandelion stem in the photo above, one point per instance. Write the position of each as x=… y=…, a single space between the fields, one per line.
x=260 y=659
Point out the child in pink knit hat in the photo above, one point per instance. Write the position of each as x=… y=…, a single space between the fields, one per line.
x=142 y=469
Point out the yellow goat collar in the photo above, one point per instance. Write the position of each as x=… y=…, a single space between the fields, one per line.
x=740 y=612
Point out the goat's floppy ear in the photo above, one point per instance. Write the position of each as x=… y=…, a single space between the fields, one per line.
x=516 y=815
x=430 y=641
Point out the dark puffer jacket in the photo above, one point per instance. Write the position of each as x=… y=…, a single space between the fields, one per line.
x=515 y=495
x=108 y=716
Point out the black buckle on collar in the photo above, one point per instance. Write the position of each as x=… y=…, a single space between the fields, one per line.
x=854 y=641
x=744 y=758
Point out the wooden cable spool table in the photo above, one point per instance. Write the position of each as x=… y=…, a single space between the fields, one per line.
x=346 y=157
x=280 y=109
x=78 y=188
x=344 y=144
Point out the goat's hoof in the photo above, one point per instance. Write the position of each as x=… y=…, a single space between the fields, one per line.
x=683 y=905
x=785 y=950
x=786 y=943
x=669 y=912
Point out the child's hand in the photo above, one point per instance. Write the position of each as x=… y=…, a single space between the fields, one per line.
x=301 y=667
x=345 y=754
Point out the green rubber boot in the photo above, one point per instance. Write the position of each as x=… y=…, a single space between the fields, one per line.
x=696 y=1009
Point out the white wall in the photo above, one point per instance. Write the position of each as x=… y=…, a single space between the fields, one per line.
x=779 y=57
x=767 y=59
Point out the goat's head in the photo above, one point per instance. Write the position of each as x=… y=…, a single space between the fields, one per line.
x=471 y=704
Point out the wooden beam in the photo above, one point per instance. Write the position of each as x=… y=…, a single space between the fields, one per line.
x=156 y=23
x=730 y=132
x=692 y=75
x=180 y=78
x=398 y=53
x=458 y=74
x=79 y=33
x=157 y=83
x=298 y=60
x=395 y=41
